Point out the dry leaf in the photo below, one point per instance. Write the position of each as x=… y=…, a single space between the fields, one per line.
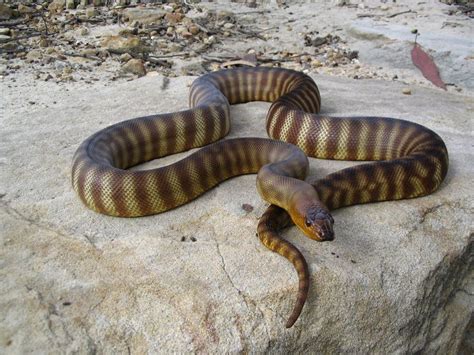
x=428 y=68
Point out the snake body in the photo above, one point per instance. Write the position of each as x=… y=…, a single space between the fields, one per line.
x=410 y=160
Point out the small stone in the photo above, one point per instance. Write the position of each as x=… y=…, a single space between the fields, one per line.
x=4 y=31
x=5 y=12
x=144 y=15
x=56 y=6
x=179 y=30
x=33 y=55
x=4 y=38
x=316 y=63
x=43 y=42
x=210 y=40
x=134 y=66
x=247 y=207
x=120 y=45
x=229 y=25
x=193 y=29
x=84 y=31
x=70 y=4
x=173 y=17
x=125 y=57
x=187 y=34
x=91 y=12
x=406 y=91
x=23 y=9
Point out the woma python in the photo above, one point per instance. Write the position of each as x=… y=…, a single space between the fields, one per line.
x=410 y=160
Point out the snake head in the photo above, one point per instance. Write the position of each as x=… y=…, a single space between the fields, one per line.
x=318 y=224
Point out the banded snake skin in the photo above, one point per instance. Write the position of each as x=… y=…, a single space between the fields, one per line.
x=409 y=159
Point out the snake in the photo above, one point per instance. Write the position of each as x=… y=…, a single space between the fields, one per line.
x=403 y=159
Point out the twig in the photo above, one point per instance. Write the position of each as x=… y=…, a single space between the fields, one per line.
x=400 y=13
x=25 y=37
x=367 y=15
x=87 y=56
x=171 y=55
x=253 y=12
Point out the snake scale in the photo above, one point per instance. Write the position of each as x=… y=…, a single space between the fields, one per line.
x=409 y=160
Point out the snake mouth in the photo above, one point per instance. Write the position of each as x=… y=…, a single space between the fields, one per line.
x=319 y=224
x=324 y=231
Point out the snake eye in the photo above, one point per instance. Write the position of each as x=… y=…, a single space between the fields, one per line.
x=307 y=222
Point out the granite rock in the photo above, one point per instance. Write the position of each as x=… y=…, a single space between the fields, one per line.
x=397 y=279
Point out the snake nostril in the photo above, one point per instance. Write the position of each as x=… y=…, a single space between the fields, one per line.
x=328 y=235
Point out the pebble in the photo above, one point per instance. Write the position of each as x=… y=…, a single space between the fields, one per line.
x=125 y=57
x=91 y=12
x=70 y=4
x=23 y=9
x=406 y=91
x=120 y=45
x=193 y=29
x=33 y=55
x=134 y=66
x=4 y=31
x=43 y=42
x=5 y=12
x=173 y=17
x=4 y=38
x=56 y=6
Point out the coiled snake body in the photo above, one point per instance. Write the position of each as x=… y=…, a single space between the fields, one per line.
x=411 y=160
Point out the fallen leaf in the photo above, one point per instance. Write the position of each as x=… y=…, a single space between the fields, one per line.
x=428 y=68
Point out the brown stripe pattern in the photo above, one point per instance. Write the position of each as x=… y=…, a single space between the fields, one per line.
x=409 y=160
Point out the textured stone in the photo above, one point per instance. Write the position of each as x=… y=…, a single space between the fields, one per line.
x=119 y=45
x=144 y=15
x=5 y=12
x=57 y=6
x=134 y=66
x=397 y=279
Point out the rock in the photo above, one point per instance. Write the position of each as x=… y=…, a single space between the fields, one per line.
x=228 y=25
x=4 y=38
x=173 y=17
x=125 y=57
x=119 y=45
x=195 y=68
x=70 y=4
x=91 y=12
x=23 y=9
x=193 y=29
x=4 y=31
x=57 y=6
x=144 y=15
x=5 y=12
x=398 y=278
x=84 y=31
x=406 y=91
x=44 y=42
x=134 y=66
x=34 y=55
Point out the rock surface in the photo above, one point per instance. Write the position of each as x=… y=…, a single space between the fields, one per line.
x=397 y=279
